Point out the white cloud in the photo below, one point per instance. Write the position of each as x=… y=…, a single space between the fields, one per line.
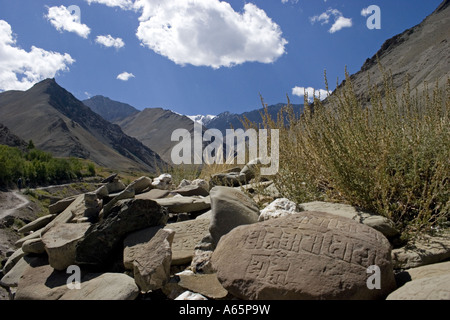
x=311 y=92
x=125 y=76
x=19 y=69
x=208 y=32
x=109 y=41
x=365 y=12
x=62 y=19
x=123 y=4
x=340 y=21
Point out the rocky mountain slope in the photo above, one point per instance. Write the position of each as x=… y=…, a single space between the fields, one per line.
x=59 y=123
x=422 y=53
x=109 y=109
x=227 y=120
x=154 y=127
x=10 y=139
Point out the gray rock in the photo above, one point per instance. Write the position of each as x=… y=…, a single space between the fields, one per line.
x=201 y=261
x=153 y=194
x=104 y=286
x=35 y=245
x=192 y=190
x=125 y=217
x=12 y=260
x=205 y=284
x=61 y=205
x=151 y=264
x=64 y=217
x=41 y=282
x=109 y=179
x=61 y=242
x=230 y=208
x=309 y=255
x=115 y=186
x=187 y=235
x=125 y=194
x=429 y=288
x=136 y=242
x=431 y=270
x=102 y=192
x=180 y=204
x=37 y=224
x=422 y=251
x=382 y=224
x=278 y=208
x=12 y=278
x=140 y=185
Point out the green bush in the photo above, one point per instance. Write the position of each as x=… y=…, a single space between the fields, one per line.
x=390 y=157
x=38 y=167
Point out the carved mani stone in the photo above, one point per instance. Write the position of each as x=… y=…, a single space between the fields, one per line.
x=187 y=235
x=309 y=255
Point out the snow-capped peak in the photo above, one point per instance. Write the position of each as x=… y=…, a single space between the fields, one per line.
x=203 y=120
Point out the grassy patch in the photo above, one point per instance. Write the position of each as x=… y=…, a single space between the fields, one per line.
x=390 y=157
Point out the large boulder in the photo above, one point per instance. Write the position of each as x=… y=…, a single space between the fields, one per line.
x=187 y=235
x=125 y=217
x=151 y=264
x=230 y=208
x=40 y=281
x=309 y=255
x=104 y=286
x=429 y=288
x=14 y=275
x=61 y=242
x=140 y=185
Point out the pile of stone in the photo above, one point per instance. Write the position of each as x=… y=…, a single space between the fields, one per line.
x=202 y=240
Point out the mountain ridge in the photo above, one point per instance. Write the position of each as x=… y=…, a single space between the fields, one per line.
x=59 y=123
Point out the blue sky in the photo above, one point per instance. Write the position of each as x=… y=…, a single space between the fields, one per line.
x=193 y=56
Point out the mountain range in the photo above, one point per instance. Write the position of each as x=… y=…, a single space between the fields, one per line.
x=59 y=123
x=117 y=135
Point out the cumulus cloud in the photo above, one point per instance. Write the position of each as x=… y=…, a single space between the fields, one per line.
x=109 y=41
x=123 y=4
x=208 y=32
x=310 y=92
x=63 y=20
x=125 y=76
x=340 y=21
x=365 y=12
x=19 y=69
